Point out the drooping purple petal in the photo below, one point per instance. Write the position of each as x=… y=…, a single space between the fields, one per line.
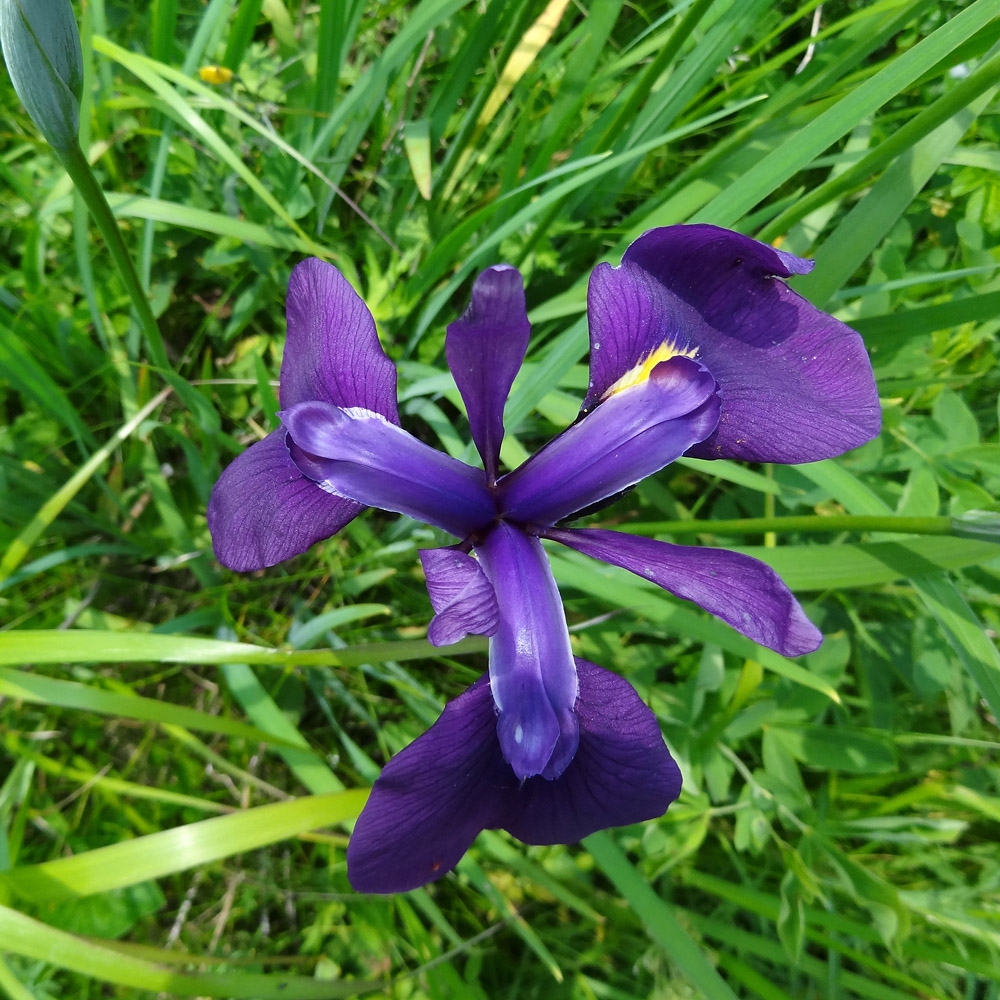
x=485 y=348
x=263 y=510
x=622 y=772
x=359 y=454
x=796 y=384
x=531 y=665
x=432 y=799
x=741 y=590
x=632 y=435
x=332 y=352
x=462 y=596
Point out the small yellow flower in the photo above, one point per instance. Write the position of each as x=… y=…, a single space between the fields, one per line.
x=215 y=74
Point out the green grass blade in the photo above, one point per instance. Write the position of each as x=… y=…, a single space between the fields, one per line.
x=658 y=918
x=36 y=689
x=777 y=167
x=181 y=848
x=105 y=962
x=50 y=510
x=52 y=646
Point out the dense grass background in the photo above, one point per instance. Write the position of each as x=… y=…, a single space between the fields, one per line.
x=180 y=747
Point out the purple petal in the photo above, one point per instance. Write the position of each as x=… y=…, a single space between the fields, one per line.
x=432 y=799
x=633 y=434
x=462 y=597
x=263 y=510
x=485 y=349
x=796 y=384
x=739 y=589
x=359 y=454
x=531 y=665
x=622 y=772
x=332 y=352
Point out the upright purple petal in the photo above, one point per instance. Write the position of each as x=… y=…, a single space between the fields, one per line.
x=632 y=435
x=485 y=348
x=263 y=510
x=359 y=454
x=332 y=351
x=622 y=772
x=462 y=596
x=432 y=799
x=741 y=590
x=796 y=384
x=531 y=665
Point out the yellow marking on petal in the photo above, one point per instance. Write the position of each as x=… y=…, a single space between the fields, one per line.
x=215 y=74
x=641 y=372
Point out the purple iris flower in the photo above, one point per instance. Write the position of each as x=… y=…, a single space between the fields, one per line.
x=697 y=348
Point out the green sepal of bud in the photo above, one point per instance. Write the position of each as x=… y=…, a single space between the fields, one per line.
x=41 y=46
x=983 y=525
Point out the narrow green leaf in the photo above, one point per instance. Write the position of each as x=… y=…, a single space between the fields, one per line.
x=41 y=690
x=84 y=646
x=658 y=918
x=181 y=848
x=107 y=963
x=816 y=137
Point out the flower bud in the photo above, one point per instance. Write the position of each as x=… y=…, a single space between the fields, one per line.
x=41 y=46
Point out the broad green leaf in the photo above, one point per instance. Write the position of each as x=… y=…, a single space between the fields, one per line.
x=833 y=749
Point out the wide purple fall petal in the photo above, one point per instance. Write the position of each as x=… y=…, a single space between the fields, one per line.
x=741 y=590
x=263 y=510
x=622 y=772
x=359 y=454
x=432 y=799
x=531 y=665
x=635 y=433
x=485 y=348
x=796 y=384
x=332 y=351
x=462 y=596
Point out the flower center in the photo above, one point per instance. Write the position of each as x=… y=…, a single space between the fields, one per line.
x=641 y=372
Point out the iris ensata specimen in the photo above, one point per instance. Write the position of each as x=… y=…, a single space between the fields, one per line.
x=697 y=347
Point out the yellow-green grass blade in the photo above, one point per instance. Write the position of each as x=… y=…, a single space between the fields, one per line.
x=127 y=206
x=11 y=986
x=736 y=939
x=864 y=227
x=961 y=626
x=40 y=690
x=815 y=138
x=452 y=243
x=866 y=564
x=181 y=848
x=50 y=510
x=658 y=918
x=214 y=99
x=291 y=745
x=92 y=646
x=29 y=938
x=182 y=112
x=820 y=922
x=105 y=783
